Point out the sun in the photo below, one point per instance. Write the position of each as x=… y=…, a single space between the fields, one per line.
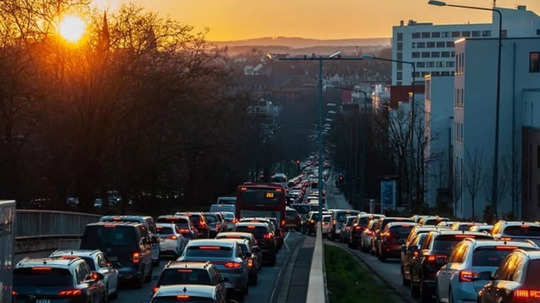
x=72 y=28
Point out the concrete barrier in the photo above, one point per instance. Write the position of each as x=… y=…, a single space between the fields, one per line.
x=317 y=281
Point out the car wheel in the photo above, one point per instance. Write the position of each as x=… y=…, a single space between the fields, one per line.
x=105 y=298
x=414 y=289
x=148 y=277
x=425 y=295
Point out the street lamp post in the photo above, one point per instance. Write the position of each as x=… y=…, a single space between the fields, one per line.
x=495 y=181
x=333 y=57
x=411 y=125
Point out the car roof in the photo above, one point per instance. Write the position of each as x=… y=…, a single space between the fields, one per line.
x=47 y=262
x=262 y=224
x=458 y=232
x=75 y=252
x=211 y=242
x=240 y=241
x=235 y=233
x=174 y=217
x=187 y=264
x=400 y=223
x=195 y=290
x=488 y=242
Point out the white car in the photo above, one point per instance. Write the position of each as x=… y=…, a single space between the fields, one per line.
x=326 y=224
x=98 y=263
x=470 y=267
x=171 y=240
x=368 y=235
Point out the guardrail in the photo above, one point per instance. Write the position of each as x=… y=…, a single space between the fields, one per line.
x=32 y=223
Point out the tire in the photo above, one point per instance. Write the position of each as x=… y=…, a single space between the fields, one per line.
x=138 y=283
x=148 y=277
x=415 y=291
x=425 y=297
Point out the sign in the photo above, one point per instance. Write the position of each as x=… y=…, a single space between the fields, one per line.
x=388 y=194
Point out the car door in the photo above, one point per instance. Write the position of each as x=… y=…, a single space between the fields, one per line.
x=83 y=274
x=111 y=274
x=445 y=273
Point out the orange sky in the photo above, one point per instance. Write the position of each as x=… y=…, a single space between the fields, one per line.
x=325 y=19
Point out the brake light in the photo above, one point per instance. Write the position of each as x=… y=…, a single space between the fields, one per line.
x=506 y=239
x=14 y=293
x=250 y=262
x=182 y=297
x=235 y=221
x=465 y=236
x=251 y=226
x=312 y=221
x=358 y=227
x=467 y=276
x=70 y=293
x=209 y=247
x=506 y=247
x=269 y=236
x=524 y=294
x=233 y=265
x=172 y=237
x=155 y=289
x=282 y=222
x=369 y=233
x=334 y=222
x=136 y=257
x=184 y=230
x=42 y=268
x=436 y=258
x=243 y=188
x=117 y=218
x=109 y=226
x=185 y=270
x=386 y=234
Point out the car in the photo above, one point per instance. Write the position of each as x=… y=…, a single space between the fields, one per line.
x=150 y=226
x=98 y=263
x=126 y=247
x=198 y=220
x=378 y=237
x=516 y=231
x=432 y=255
x=57 y=280
x=408 y=257
x=264 y=235
x=255 y=249
x=431 y=220
x=228 y=258
x=171 y=240
x=272 y=222
x=188 y=293
x=338 y=221
x=326 y=225
x=464 y=226
x=215 y=225
x=254 y=262
x=345 y=234
x=190 y=273
x=368 y=235
x=223 y=208
x=292 y=219
x=226 y=200
x=447 y=224
x=187 y=229
x=359 y=224
x=229 y=220
x=470 y=267
x=516 y=280
x=393 y=237
x=482 y=228
x=311 y=222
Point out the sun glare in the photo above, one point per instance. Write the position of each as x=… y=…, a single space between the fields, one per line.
x=71 y=28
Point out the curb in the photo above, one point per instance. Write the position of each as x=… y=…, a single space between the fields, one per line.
x=317 y=292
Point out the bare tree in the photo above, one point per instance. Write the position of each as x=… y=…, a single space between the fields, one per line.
x=474 y=179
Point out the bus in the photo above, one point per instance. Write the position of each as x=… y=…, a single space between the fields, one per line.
x=7 y=220
x=261 y=200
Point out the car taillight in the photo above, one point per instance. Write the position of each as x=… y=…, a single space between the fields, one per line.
x=283 y=222
x=523 y=295
x=136 y=257
x=70 y=293
x=312 y=221
x=436 y=258
x=334 y=222
x=250 y=262
x=358 y=227
x=14 y=293
x=235 y=221
x=369 y=233
x=182 y=297
x=269 y=236
x=233 y=265
x=155 y=289
x=506 y=239
x=184 y=230
x=172 y=237
x=467 y=276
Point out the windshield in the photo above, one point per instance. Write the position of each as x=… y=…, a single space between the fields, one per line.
x=165 y=230
x=401 y=232
x=444 y=244
x=491 y=256
x=261 y=196
x=42 y=277
x=211 y=219
x=180 y=222
x=209 y=251
x=523 y=231
x=302 y=209
x=184 y=276
x=258 y=231
x=102 y=237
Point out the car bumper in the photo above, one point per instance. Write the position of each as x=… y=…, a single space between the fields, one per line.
x=168 y=246
x=235 y=281
x=465 y=292
x=391 y=251
x=128 y=273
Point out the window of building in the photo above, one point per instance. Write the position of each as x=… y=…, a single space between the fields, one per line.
x=426 y=35
x=455 y=34
x=435 y=54
x=534 y=62
x=452 y=54
x=476 y=33
x=413 y=45
x=450 y=63
x=430 y=64
x=400 y=46
x=424 y=74
x=420 y=64
x=431 y=44
x=538 y=32
x=425 y=54
x=435 y=35
x=445 y=54
x=435 y=73
x=399 y=37
x=416 y=54
x=445 y=34
x=421 y=45
x=399 y=76
x=452 y=73
x=416 y=74
x=439 y=64
x=415 y=35
x=466 y=34
x=400 y=56
x=398 y=83
x=450 y=44
x=399 y=66
x=445 y=73
x=486 y=34
x=441 y=44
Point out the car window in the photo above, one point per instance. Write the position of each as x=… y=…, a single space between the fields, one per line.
x=523 y=230
x=45 y=276
x=209 y=252
x=174 y=276
x=532 y=279
x=165 y=230
x=90 y=262
x=401 y=231
x=427 y=241
x=101 y=260
x=489 y=256
x=98 y=237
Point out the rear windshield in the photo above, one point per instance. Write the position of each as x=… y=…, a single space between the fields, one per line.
x=341 y=216
x=195 y=219
x=180 y=222
x=444 y=244
x=386 y=221
x=302 y=209
x=174 y=276
x=363 y=221
x=533 y=278
x=90 y=262
x=165 y=230
x=527 y=231
x=261 y=196
x=58 y=277
x=291 y=214
x=101 y=237
x=326 y=218
x=258 y=231
x=176 y=300
x=464 y=227
x=209 y=252
x=401 y=231
x=210 y=219
x=489 y=256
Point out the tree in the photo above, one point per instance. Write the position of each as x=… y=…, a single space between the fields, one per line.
x=474 y=179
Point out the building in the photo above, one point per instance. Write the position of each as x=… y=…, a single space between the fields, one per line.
x=431 y=47
x=518 y=187
x=439 y=115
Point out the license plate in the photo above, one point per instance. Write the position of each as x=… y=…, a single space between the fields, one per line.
x=113 y=259
x=43 y=301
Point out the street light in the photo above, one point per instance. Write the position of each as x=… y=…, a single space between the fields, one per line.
x=495 y=180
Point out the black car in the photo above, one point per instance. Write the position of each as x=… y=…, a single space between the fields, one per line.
x=516 y=280
x=264 y=235
x=125 y=246
x=432 y=256
x=378 y=237
x=57 y=280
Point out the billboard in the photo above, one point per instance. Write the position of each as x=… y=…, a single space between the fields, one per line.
x=388 y=194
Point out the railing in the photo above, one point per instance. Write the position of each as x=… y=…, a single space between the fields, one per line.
x=32 y=223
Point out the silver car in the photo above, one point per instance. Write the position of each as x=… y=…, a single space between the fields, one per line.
x=187 y=293
x=228 y=258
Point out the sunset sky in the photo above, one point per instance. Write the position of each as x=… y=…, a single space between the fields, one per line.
x=325 y=19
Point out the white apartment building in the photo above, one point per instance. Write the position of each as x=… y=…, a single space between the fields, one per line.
x=431 y=47
x=475 y=83
x=439 y=115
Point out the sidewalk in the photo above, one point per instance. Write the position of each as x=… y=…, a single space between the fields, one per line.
x=334 y=197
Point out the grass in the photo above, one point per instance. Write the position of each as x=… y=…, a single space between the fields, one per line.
x=349 y=281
